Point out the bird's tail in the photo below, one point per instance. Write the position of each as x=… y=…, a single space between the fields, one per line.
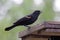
x=9 y=28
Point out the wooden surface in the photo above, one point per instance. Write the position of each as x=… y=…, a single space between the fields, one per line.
x=35 y=38
x=48 y=34
x=32 y=29
x=47 y=28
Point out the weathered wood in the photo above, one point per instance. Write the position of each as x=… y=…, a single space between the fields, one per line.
x=48 y=34
x=32 y=29
x=47 y=28
x=35 y=37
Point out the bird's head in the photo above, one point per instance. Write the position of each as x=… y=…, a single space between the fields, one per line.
x=37 y=12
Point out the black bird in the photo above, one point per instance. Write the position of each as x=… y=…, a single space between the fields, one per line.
x=27 y=20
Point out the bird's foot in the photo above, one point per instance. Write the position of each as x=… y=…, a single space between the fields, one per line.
x=28 y=27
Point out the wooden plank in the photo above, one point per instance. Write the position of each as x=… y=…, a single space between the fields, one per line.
x=53 y=22
x=49 y=34
x=32 y=29
x=36 y=37
x=50 y=26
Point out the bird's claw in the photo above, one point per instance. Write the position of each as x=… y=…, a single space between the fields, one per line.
x=29 y=28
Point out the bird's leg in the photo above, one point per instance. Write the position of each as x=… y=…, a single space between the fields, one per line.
x=27 y=26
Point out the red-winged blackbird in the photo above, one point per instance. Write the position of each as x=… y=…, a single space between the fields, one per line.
x=27 y=20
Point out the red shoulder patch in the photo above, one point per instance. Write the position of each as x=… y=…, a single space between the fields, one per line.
x=28 y=16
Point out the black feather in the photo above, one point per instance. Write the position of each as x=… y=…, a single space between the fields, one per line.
x=25 y=20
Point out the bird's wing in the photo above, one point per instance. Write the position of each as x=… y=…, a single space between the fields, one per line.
x=26 y=18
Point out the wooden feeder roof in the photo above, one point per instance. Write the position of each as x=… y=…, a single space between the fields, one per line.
x=52 y=27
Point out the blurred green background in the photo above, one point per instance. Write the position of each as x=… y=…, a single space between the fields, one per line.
x=11 y=12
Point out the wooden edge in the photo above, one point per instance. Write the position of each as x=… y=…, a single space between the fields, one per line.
x=32 y=29
x=53 y=22
x=35 y=28
x=49 y=33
